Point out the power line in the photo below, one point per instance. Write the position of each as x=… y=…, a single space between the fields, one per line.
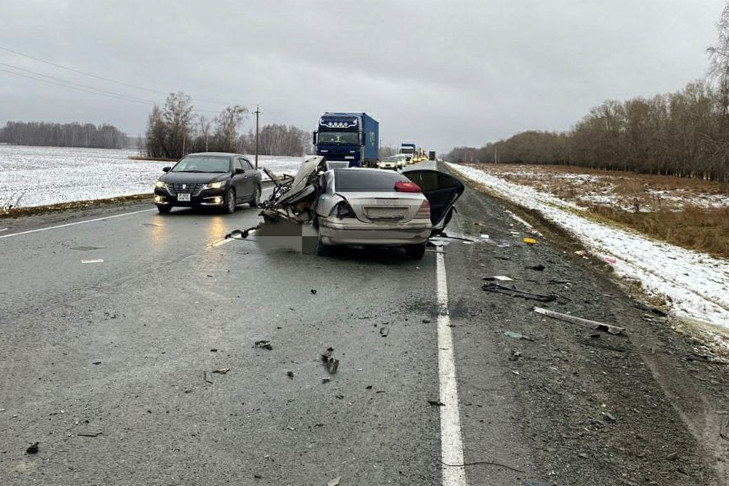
x=102 y=78
x=79 y=85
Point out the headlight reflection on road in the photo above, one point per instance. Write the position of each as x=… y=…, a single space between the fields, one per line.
x=216 y=229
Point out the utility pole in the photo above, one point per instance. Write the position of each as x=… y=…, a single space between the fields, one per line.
x=258 y=112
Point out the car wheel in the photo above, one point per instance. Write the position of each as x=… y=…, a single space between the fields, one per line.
x=415 y=252
x=256 y=198
x=164 y=209
x=229 y=201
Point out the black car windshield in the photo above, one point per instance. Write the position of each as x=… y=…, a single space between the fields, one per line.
x=203 y=164
x=339 y=138
x=358 y=180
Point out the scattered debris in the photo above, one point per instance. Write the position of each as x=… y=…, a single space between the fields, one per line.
x=33 y=449
x=515 y=355
x=611 y=260
x=598 y=326
x=436 y=403
x=530 y=241
x=538 y=268
x=580 y=253
x=97 y=260
x=327 y=380
x=334 y=482
x=500 y=289
x=653 y=310
x=263 y=344
x=207 y=378
x=331 y=363
x=384 y=331
x=485 y=237
x=313 y=291
x=426 y=321
x=498 y=277
x=96 y=362
x=706 y=358
x=89 y=434
x=489 y=463
x=222 y=371
x=516 y=335
x=672 y=456
x=290 y=374
x=610 y=417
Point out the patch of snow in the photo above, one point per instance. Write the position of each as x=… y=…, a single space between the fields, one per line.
x=696 y=284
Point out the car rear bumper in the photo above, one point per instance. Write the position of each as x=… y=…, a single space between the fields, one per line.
x=359 y=233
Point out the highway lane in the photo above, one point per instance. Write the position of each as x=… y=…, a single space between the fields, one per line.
x=150 y=315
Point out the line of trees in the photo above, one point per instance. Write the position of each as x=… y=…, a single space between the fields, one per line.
x=63 y=135
x=685 y=133
x=174 y=130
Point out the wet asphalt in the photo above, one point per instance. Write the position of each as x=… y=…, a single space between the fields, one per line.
x=113 y=330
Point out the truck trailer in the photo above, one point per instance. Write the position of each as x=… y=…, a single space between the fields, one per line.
x=348 y=139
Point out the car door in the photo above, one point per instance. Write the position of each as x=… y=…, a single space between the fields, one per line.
x=242 y=190
x=441 y=190
x=251 y=178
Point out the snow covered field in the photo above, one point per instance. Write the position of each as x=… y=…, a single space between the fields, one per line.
x=695 y=284
x=49 y=175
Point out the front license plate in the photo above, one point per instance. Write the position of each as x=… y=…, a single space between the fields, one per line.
x=183 y=197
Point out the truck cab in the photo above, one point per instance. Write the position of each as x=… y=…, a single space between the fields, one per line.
x=347 y=140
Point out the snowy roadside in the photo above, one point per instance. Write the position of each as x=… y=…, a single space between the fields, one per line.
x=42 y=176
x=696 y=285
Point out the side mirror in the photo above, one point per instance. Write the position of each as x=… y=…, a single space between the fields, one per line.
x=166 y=169
x=313 y=138
x=238 y=170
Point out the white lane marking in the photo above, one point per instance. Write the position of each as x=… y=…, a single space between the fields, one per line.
x=222 y=242
x=76 y=223
x=451 y=441
x=98 y=260
x=3 y=229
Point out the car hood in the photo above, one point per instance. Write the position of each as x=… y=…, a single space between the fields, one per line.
x=193 y=177
x=303 y=178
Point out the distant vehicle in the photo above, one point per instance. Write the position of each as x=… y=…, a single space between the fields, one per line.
x=408 y=149
x=390 y=163
x=348 y=139
x=208 y=179
x=367 y=206
x=431 y=155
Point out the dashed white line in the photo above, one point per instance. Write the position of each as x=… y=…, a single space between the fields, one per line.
x=451 y=440
x=3 y=229
x=74 y=224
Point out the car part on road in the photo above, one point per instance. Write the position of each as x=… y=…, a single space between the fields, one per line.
x=598 y=326
x=33 y=449
x=516 y=335
x=263 y=345
x=500 y=289
x=501 y=278
x=331 y=363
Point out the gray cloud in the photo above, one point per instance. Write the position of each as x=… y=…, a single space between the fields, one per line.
x=443 y=73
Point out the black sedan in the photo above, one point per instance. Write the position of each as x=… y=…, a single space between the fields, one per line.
x=208 y=179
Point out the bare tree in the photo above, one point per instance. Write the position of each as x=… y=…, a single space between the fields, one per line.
x=205 y=126
x=228 y=121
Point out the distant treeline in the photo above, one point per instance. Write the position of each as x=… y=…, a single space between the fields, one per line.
x=63 y=135
x=684 y=133
x=174 y=131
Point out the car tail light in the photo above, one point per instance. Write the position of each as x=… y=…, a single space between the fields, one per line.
x=401 y=186
x=342 y=210
x=423 y=211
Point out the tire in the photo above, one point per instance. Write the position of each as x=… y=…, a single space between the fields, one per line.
x=415 y=252
x=256 y=198
x=229 y=201
x=164 y=209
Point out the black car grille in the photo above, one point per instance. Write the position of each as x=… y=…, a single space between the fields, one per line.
x=176 y=188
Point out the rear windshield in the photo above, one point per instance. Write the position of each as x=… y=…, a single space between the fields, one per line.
x=360 y=180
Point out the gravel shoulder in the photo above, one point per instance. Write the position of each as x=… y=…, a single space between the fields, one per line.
x=594 y=408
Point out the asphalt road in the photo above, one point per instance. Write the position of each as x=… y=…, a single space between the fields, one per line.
x=110 y=364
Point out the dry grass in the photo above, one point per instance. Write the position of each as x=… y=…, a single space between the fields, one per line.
x=685 y=212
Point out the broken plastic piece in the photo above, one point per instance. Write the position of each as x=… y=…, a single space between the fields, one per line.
x=500 y=289
x=33 y=449
x=598 y=326
x=498 y=277
x=263 y=345
x=530 y=241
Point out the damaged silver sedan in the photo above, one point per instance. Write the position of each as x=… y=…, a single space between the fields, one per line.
x=365 y=207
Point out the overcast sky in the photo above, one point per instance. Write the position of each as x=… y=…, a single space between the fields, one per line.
x=441 y=73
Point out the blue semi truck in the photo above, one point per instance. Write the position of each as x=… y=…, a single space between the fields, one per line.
x=348 y=139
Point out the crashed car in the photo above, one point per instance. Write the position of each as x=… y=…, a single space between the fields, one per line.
x=356 y=206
